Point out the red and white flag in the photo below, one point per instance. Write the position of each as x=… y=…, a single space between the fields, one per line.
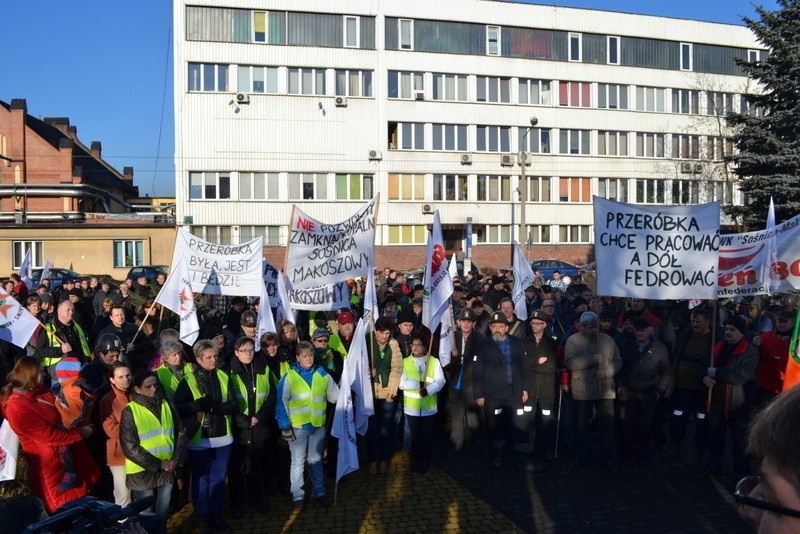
x=438 y=286
x=17 y=324
x=177 y=296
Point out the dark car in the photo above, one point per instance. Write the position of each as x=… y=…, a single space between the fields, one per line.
x=546 y=268
x=57 y=276
x=150 y=271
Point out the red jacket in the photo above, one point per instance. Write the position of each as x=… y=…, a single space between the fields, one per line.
x=111 y=407
x=34 y=418
x=773 y=355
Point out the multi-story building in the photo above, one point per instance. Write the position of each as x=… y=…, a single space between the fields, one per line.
x=431 y=105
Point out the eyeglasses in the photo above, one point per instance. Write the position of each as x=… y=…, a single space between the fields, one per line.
x=246 y=351
x=743 y=489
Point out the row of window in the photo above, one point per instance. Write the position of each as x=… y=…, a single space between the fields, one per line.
x=444 y=187
x=126 y=253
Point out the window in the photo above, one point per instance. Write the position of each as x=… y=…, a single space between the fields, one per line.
x=686 y=56
x=450 y=87
x=493 y=89
x=450 y=137
x=573 y=234
x=575 y=94
x=353 y=186
x=406 y=136
x=717 y=148
x=685 y=101
x=405 y=84
x=574 y=142
x=718 y=103
x=303 y=81
x=494 y=188
x=449 y=187
x=258 y=186
x=213 y=234
x=353 y=83
x=612 y=143
x=753 y=55
x=209 y=186
x=613 y=50
x=649 y=145
x=611 y=96
x=128 y=253
x=255 y=79
x=408 y=235
x=718 y=192
x=650 y=99
x=20 y=249
x=208 y=77
x=308 y=186
x=406 y=34
x=575 y=189
x=539 y=189
x=406 y=187
x=537 y=140
x=538 y=233
x=492 y=40
x=650 y=191
x=494 y=233
x=351 y=28
x=613 y=189
x=494 y=139
x=535 y=92
x=271 y=234
x=685 y=192
x=685 y=146
x=749 y=108
x=575 y=52
x=259 y=26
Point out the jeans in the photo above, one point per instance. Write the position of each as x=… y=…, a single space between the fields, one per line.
x=381 y=432
x=307 y=447
x=159 y=512
x=605 y=423
x=209 y=468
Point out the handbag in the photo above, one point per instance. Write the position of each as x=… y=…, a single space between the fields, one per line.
x=9 y=451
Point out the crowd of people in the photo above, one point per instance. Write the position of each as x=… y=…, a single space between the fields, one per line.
x=107 y=400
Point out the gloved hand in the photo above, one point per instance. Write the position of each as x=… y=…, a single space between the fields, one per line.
x=203 y=404
x=287 y=434
x=423 y=392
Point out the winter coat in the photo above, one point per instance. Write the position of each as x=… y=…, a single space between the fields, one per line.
x=579 y=353
x=738 y=376
x=111 y=407
x=467 y=353
x=391 y=352
x=643 y=370
x=152 y=476
x=489 y=370
x=543 y=376
x=34 y=418
x=265 y=414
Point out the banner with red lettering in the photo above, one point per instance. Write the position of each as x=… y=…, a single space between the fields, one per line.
x=321 y=254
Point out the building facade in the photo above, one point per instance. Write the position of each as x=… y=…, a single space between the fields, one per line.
x=505 y=117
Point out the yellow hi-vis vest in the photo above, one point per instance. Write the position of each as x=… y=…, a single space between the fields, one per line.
x=411 y=397
x=156 y=437
x=307 y=404
x=52 y=340
x=262 y=391
x=194 y=387
x=169 y=382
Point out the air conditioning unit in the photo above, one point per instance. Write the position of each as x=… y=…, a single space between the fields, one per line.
x=466 y=159
x=698 y=168
x=523 y=158
x=419 y=95
x=427 y=208
x=340 y=101
x=506 y=160
x=686 y=167
x=242 y=98
x=375 y=155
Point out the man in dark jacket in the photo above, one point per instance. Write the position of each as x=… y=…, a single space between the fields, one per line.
x=461 y=407
x=500 y=386
x=732 y=383
x=137 y=353
x=541 y=351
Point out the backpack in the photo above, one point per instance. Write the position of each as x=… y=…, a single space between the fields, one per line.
x=75 y=401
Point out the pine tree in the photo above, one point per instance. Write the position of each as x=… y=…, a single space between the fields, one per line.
x=768 y=132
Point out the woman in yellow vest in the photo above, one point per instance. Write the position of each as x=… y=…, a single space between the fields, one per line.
x=421 y=380
x=302 y=394
x=154 y=444
x=206 y=401
x=173 y=368
x=254 y=394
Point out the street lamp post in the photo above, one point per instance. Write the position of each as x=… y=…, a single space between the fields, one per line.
x=511 y=230
x=522 y=159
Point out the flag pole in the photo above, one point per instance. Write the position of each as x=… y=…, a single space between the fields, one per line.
x=713 y=346
x=155 y=301
x=289 y=244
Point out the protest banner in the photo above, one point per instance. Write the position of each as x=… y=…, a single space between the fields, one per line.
x=17 y=324
x=322 y=298
x=321 y=254
x=214 y=269
x=656 y=252
x=270 y=275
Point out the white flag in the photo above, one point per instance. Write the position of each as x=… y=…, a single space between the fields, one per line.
x=176 y=295
x=370 y=300
x=25 y=272
x=773 y=282
x=46 y=271
x=447 y=341
x=284 y=310
x=523 y=277
x=453 y=267
x=265 y=323
x=17 y=324
x=438 y=286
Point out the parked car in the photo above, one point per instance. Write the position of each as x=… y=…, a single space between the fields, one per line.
x=150 y=271
x=57 y=276
x=547 y=267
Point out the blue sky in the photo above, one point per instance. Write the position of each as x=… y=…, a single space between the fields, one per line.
x=103 y=64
